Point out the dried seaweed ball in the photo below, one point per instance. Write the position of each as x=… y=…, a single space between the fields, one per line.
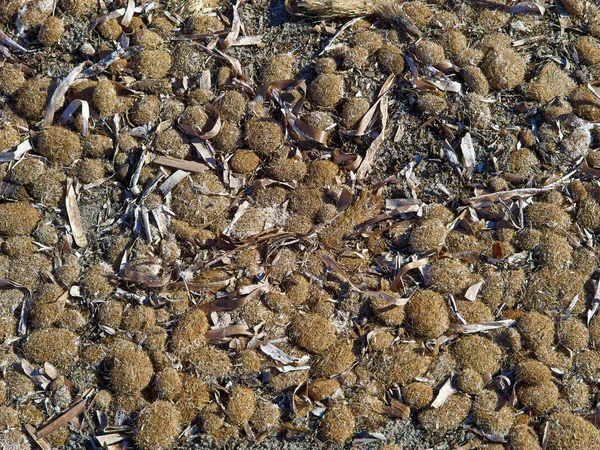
x=391 y=59
x=449 y=276
x=11 y=79
x=244 y=161
x=18 y=218
x=391 y=315
x=371 y=40
x=229 y=136
x=27 y=171
x=232 y=106
x=554 y=251
x=145 y=110
x=353 y=110
x=429 y=53
x=110 y=313
x=417 y=395
x=587 y=364
x=188 y=335
x=544 y=216
x=60 y=145
x=536 y=329
x=489 y=414
x=110 y=30
x=53 y=345
x=418 y=12
x=588 y=50
x=337 y=425
x=157 y=426
x=475 y=80
x=89 y=170
x=147 y=39
x=132 y=371
x=241 y=405
x=32 y=97
x=264 y=136
x=95 y=283
x=573 y=334
x=287 y=169
x=474 y=311
x=167 y=384
x=97 y=146
x=539 y=398
x=523 y=437
x=428 y=314
x=585 y=104
x=453 y=41
x=325 y=65
x=265 y=417
x=428 y=235
x=531 y=371
x=469 y=381
x=431 y=104
x=569 y=432
x=195 y=116
x=312 y=331
x=550 y=83
x=448 y=416
x=193 y=397
x=334 y=361
x=170 y=143
x=322 y=172
x=504 y=68
x=478 y=353
x=51 y=31
x=105 y=98
x=355 y=58
x=323 y=388
x=326 y=90
x=153 y=64
x=281 y=67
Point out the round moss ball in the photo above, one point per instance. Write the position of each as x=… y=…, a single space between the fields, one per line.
x=157 y=426
x=429 y=235
x=429 y=53
x=232 y=106
x=11 y=79
x=469 y=381
x=337 y=425
x=241 y=405
x=132 y=371
x=533 y=372
x=167 y=384
x=504 y=68
x=312 y=331
x=32 y=97
x=539 y=398
x=428 y=314
x=264 y=136
x=478 y=353
x=353 y=110
x=391 y=59
x=54 y=345
x=448 y=416
x=51 y=31
x=417 y=395
x=153 y=64
x=573 y=334
x=18 y=218
x=326 y=90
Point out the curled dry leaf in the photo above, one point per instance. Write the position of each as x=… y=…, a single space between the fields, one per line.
x=59 y=93
x=74 y=215
x=472 y=291
x=446 y=391
x=181 y=164
x=85 y=113
x=483 y=326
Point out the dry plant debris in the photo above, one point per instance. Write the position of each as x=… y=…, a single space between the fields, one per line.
x=307 y=223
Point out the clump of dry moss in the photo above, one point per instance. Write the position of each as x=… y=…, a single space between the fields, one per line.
x=588 y=50
x=157 y=426
x=264 y=136
x=194 y=396
x=585 y=104
x=241 y=405
x=95 y=282
x=428 y=314
x=11 y=79
x=280 y=67
x=429 y=53
x=449 y=276
x=478 y=353
x=338 y=358
x=51 y=31
x=391 y=59
x=504 y=68
x=32 y=97
x=132 y=371
x=326 y=90
x=229 y=136
x=417 y=395
x=244 y=161
x=400 y=364
x=232 y=105
x=428 y=235
x=475 y=80
x=489 y=414
x=550 y=83
x=153 y=64
x=542 y=216
x=189 y=333
x=312 y=332
x=54 y=345
x=18 y=218
x=337 y=425
x=448 y=416
x=353 y=110
x=569 y=432
x=523 y=437
x=145 y=110
x=431 y=104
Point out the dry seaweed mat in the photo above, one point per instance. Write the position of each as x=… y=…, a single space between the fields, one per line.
x=299 y=224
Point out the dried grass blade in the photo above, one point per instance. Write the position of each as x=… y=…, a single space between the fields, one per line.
x=444 y=394
x=70 y=110
x=74 y=215
x=60 y=91
x=363 y=125
x=473 y=290
x=365 y=165
x=205 y=151
x=236 y=26
x=21 y=149
x=128 y=15
x=468 y=152
x=63 y=419
x=39 y=441
x=233 y=330
x=483 y=326
x=182 y=164
x=175 y=178
x=277 y=354
x=228 y=304
x=527 y=8
x=9 y=42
